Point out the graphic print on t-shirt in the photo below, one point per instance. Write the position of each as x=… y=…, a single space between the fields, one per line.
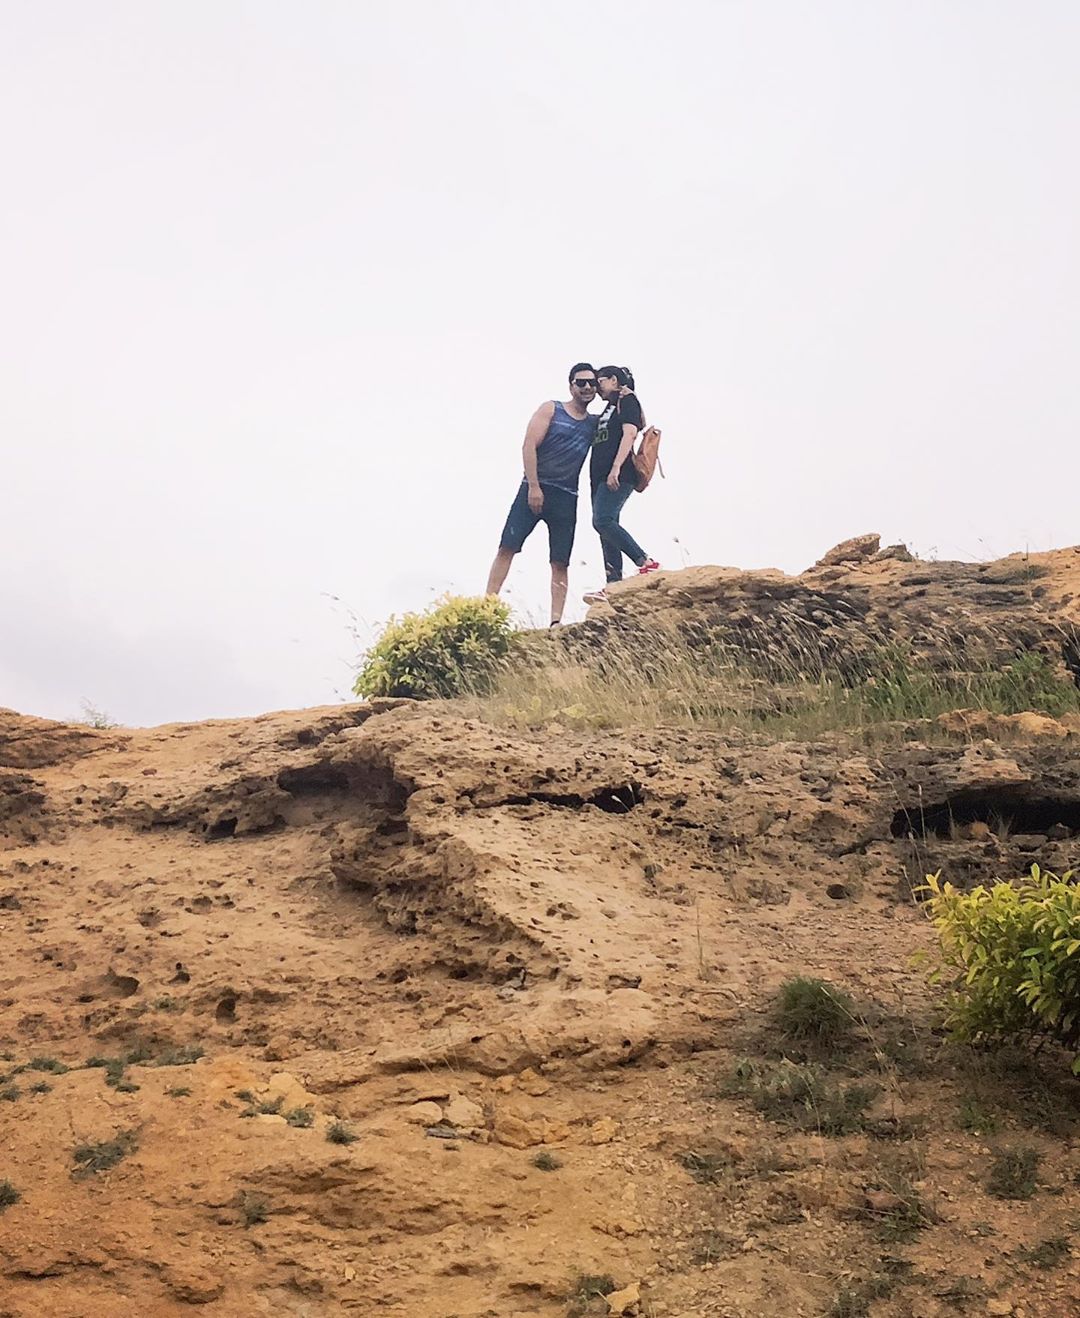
x=609 y=429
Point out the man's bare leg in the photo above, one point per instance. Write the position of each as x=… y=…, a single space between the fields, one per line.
x=558 y=591
x=499 y=569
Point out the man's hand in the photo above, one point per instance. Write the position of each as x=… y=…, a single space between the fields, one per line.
x=613 y=479
x=536 y=499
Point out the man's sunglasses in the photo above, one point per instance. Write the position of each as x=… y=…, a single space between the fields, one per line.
x=584 y=384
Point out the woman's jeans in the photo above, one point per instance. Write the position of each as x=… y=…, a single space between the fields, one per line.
x=615 y=539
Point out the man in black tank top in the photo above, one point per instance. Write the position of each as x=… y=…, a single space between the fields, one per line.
x=558 y=439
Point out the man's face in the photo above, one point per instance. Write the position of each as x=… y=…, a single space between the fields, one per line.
x=583 y=387
x=607 y=386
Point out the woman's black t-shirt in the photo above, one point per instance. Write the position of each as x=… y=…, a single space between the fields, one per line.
x=609 y=432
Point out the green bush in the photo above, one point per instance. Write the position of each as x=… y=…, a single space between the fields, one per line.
x=1012 y=950
x=452 y=649
x=812 y=1011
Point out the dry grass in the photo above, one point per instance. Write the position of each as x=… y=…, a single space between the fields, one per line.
x=808 y=685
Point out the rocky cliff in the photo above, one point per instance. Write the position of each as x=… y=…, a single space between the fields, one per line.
x=389 y=1010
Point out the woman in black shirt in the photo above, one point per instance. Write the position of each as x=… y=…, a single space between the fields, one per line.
x=613 y=475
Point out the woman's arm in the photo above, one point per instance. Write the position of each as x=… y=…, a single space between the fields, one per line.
x=629 y=434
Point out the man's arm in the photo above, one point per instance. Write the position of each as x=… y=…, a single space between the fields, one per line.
x=534 y=437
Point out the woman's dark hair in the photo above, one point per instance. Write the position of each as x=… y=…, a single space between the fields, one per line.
x=621 y=373
x=580 y=366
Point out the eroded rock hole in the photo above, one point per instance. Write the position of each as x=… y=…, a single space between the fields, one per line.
x=120 y=986
x=613 y=800
x=313 y=780
x=222 y=828
x=225 y=1010
x=1005 y=810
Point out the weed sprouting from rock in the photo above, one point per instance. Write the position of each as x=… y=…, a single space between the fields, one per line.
x=339 y=1133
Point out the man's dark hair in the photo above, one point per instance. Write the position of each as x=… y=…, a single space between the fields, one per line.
x=621 y=373
x=580 y=366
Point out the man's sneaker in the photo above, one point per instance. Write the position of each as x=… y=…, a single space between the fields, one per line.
x=650 y=565
x=595 y=597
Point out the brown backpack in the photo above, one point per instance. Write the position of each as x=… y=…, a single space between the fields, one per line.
x=646 y=458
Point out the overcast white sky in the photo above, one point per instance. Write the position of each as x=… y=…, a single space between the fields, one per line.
x=281 y=283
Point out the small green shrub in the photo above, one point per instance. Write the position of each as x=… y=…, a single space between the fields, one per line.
x=179 y=1091
x=705 y=1168
x=181 y=1055
x=303 y=1117
x=812 y=1011
x=452 y=649
x=94 y=1158
x=976 y=1118
x=10 y=1094
x=960 y=1292
x=115 y=1069
x=42 y=1087
x=1013 y=951
x=8 y=1195
x=546 y=1161
x=586 y=1288
x=1014 y=1173
x=854 y=1299
x=339 y=1133
x=803 y=1096
x=254 y=1208
x=49 y=1064
x=1047 y=1254
x=906 y=1213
